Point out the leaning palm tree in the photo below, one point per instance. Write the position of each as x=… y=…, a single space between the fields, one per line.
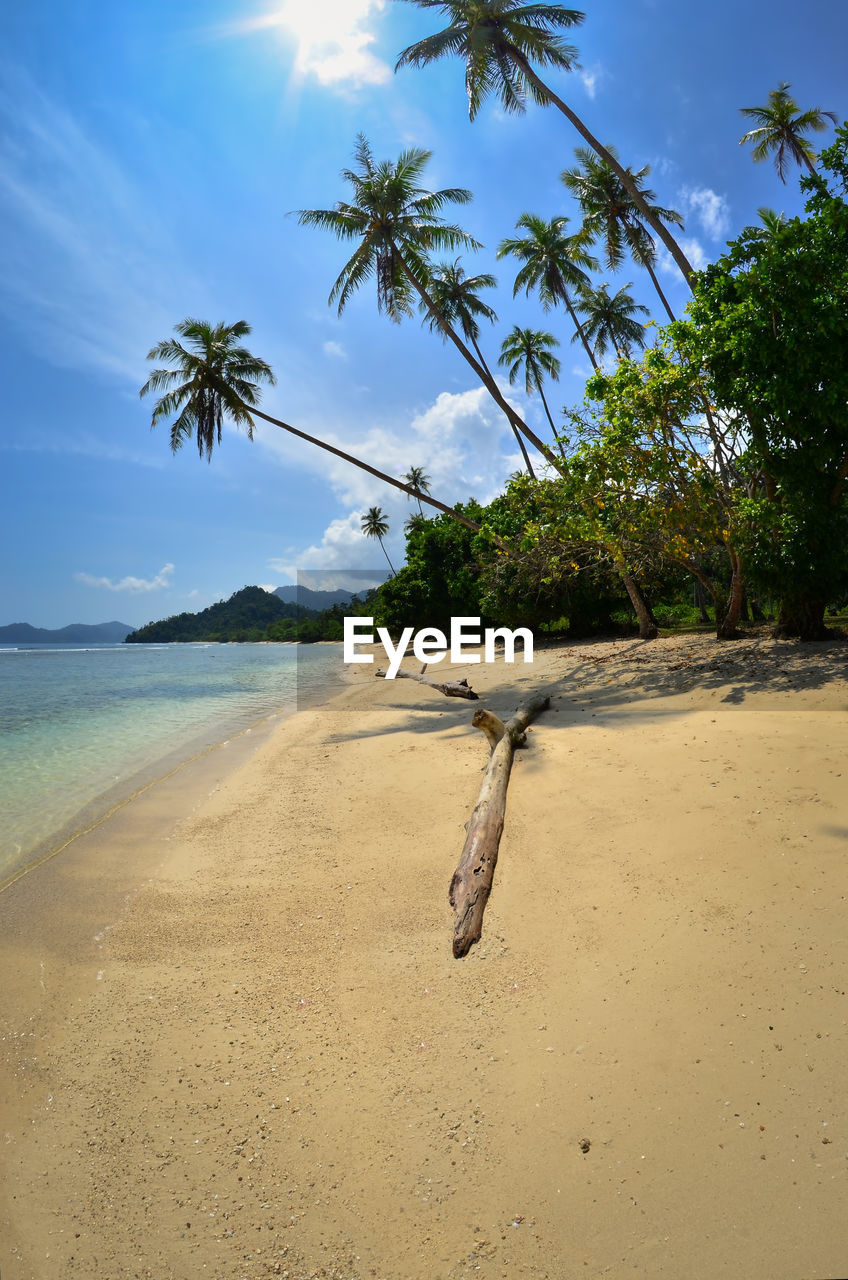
x=610 y=320
x=212 y=379
x=375 y=525
x=456 y=297
x=781 y=129
x=553 y=263
x=419 y=482
x=610 y=214
x=397 y=224
x=531 y=351
x=499 y=40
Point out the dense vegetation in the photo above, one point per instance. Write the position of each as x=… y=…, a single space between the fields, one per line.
x=710 y=466
x=249 y=615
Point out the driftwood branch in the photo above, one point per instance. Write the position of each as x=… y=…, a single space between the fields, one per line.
x=450 y=688
x=472 y=880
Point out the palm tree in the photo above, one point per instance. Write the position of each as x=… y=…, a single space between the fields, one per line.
x=213 y=380
x=499 y=39
x=610 y=320
x=781 y=127
x=610 y=214
x=530 y=350
x=397 y=224
x=553 y=263
x=455 y=295
x=375 y=525
x=419 y=482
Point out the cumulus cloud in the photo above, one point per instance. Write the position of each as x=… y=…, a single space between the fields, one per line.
x=711 y=210
x=133 y=586
x=334 y=349
x=462 y=441
x=694 y=251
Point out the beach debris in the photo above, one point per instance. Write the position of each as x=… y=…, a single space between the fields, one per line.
x=450 y=688
x=472 y=880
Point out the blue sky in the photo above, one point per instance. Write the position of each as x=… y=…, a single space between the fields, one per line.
x=150 y=157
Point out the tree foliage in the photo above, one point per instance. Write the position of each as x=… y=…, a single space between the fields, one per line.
x=771 y=328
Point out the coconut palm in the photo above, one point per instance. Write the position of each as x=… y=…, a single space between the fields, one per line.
x=398 y=224
x=611 y=216
x=781 y=129
x=375 y=525
x=531 y=351
x=499 y=40
x=419 y=482
x=610 y=320
x=456 y=297
x=554 y=264
x=213 y=380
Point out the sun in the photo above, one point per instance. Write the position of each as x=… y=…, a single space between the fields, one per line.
x=331 y=37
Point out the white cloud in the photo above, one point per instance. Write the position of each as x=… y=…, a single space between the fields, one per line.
x=591 y=77
x=331 y=37
x=134 y=586
x=694 y=251
x=334 y=349
x=462 y=441
x=711 y=210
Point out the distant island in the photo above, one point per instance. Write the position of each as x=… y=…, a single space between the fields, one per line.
x=252 y=615
x=76 y=633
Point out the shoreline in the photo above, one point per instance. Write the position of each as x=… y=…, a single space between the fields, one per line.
x=258 y=1028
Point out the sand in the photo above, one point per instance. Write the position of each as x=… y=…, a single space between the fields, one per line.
x=235 y=1042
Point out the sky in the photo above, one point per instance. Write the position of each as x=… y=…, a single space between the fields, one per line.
x=152 y=159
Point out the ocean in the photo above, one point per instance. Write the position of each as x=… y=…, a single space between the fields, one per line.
x=81 y=729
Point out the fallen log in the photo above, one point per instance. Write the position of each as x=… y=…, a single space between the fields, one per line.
x=450 y=688
x=472 y=880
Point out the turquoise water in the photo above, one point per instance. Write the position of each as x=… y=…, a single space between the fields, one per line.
x=81 y=728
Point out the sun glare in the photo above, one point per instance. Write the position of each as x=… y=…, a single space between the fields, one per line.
x=332 y=38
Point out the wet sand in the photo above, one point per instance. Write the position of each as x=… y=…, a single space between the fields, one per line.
x=235 y=1042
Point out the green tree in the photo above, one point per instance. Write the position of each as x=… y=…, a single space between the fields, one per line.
x=375 y=525
x=655 y=476
x=499 y=40
x=212 y=379
x=553 y=264
x=611 y=216
x=781 y=129
x=397 y=224
x=609 y=321
x=531 y=351
x=771 y=327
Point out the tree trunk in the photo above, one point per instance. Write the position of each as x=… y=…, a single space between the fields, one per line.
x=450 y=688
x=522 y=446
x=644 y=208
x=656 y=284
x=647 y=625
x=472 y=880
x=486 y=378
x=801 y=618
x=579 y=328
x=727 y=619
x=381 y=475
x=701 y=596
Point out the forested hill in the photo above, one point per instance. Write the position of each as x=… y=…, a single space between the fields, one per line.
x=249 y=615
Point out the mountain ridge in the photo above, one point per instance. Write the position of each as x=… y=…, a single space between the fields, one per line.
x=74 y=633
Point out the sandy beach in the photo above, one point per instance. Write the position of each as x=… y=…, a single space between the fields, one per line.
x=235 y=1043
